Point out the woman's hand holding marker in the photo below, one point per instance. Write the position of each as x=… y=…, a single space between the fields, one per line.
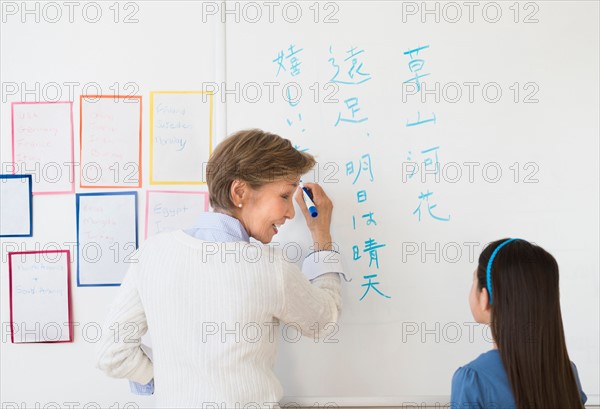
x=312 y=209
x=319 y=226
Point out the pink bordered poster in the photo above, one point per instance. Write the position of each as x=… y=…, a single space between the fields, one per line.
x=39 y=296
x=172 y=210
x=42 y=145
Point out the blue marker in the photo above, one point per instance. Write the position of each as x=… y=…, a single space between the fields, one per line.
x=312 y=209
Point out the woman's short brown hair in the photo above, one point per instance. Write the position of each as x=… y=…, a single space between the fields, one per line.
x=255 y=157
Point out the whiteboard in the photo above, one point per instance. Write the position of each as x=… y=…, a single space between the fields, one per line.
x=433 y=138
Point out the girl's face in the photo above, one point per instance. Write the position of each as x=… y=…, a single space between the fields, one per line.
x=478 y=301
x=267 y=208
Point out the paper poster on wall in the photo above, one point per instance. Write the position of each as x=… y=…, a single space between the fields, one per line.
x=42 y=144
x=16 y=206
x=180 y=136
x=40 y=299
x=107 y=235
x=173 y=210
x=111 y=141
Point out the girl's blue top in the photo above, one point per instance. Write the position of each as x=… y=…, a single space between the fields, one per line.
x=483 y=383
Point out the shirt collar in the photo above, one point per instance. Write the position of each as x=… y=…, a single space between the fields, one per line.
x=218 y=227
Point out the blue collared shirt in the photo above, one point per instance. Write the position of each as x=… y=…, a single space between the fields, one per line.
x=218 y=227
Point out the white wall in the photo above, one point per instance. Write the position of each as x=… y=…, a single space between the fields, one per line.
x=148 y=46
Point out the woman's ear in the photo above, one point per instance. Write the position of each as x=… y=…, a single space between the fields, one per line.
x=237 y=192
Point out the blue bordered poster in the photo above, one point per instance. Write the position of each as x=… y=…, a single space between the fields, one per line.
x=107 y=236
x=16 y=206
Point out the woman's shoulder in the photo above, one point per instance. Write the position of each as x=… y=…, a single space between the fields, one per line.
x=160 y=239
x=158 y=245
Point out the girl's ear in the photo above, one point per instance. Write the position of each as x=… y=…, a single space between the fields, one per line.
x=484 y=305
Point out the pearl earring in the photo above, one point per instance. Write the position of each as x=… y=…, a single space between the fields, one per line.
x=240 y=205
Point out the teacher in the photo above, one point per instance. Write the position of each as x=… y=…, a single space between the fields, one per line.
x=211 y=300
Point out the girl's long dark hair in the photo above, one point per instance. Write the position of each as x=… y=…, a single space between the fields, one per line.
x=527 y=326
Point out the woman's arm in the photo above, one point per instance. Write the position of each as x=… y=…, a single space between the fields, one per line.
x=312 y=299
x=119 y=351
x=313 y=306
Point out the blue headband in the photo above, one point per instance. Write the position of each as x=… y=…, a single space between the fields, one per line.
x=488 y=272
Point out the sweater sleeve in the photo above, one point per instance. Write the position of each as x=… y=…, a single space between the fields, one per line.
x=119 y=352
x=311 y=306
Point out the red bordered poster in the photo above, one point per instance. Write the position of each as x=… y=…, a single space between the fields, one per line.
x=40 y=296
